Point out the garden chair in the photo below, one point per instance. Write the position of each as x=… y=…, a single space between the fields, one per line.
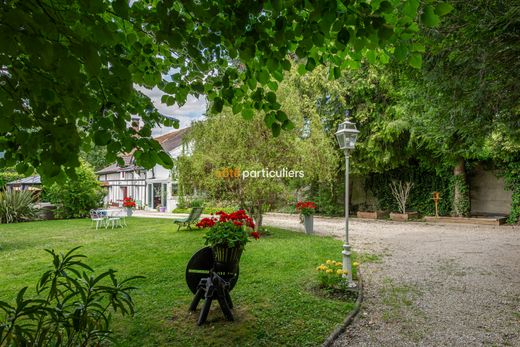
x=97 y=217
x=191 y=219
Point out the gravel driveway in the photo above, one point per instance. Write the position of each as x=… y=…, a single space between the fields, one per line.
x=431 y=284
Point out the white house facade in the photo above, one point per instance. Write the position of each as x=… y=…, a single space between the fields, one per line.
x=153 y=189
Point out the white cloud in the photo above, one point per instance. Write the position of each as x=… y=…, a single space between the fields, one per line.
x=189 y=112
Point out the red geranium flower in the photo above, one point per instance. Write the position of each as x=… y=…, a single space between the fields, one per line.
x=128 y=202
x=306 y=207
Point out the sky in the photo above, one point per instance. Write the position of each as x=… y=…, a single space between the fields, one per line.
x=191 y=111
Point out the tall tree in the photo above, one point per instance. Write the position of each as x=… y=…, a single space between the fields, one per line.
x=225 y=142
x=468 y=88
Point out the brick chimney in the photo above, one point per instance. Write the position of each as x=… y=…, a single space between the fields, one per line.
x=136 y=123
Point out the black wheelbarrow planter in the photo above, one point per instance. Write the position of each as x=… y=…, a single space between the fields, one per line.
x=211 y=274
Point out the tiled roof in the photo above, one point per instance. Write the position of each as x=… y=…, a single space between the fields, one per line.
x=168 y=142
x=172 y=140
x=129 y=166
x=26 y=180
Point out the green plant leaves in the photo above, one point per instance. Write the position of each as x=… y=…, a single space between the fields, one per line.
x=247 y=113
x=275 y=129
x=77 y=306
x=443 y=9
x=89 y=71
x=415 y=60
x=410 y=8
x=343 y=36
x=429 y=18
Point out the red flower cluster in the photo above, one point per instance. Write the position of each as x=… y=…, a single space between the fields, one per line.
x=305 y=204
x=206 y=223
x=238 y=218
x=255 y=234
x=128 y=202
x=306 y=207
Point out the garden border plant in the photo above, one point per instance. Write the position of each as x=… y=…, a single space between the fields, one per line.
x=72 y=307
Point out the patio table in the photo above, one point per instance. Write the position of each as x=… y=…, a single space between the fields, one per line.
x=113 y=217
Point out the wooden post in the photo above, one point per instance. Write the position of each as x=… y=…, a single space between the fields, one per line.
x=436 y=198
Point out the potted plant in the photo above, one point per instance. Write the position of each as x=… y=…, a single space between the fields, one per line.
x=228 y=234
x=307 y=210
x=129 y=204
x=401 y=192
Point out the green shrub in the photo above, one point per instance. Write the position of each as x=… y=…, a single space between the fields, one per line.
x=16 y=206
x=206 y=210
x=77 y=195
x=7 y=175
x=73 y=308
x=197 y=203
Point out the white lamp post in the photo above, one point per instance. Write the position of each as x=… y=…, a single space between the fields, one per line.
x=346 y=136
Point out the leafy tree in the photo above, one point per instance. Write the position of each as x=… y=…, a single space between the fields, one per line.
x=70 y=69
x=224 y=141
x=96 y=157
x=77 y=195
x=467 y=89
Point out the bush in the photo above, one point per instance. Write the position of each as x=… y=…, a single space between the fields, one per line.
x=206 y=210
x=77 y=195
x=197 y=203
x=16 y=206
x=73 y=308
x=8 y=175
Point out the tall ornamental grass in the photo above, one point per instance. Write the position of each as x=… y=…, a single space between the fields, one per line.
x=17 y=206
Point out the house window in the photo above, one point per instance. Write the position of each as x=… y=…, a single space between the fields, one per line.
x=175 y=189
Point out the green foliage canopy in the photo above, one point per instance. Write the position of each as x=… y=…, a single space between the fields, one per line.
x=68 y=69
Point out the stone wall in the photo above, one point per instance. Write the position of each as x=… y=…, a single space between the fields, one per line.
x=488 y=193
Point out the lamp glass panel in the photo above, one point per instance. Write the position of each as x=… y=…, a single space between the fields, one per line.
x=341 y=139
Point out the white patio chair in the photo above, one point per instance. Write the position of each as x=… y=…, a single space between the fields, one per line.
x=97 y=217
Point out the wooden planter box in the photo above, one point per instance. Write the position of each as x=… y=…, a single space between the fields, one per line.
x=372 y=214
x=401 y=217
x=467 y=220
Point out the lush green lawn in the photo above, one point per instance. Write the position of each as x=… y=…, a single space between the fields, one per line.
x=274 y=301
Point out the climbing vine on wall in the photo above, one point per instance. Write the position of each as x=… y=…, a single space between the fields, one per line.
x=461 y=205
x=425 y=183
x=512 y=180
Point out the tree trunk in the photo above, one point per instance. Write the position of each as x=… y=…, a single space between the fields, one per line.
x=461 y=202
x=257 y=215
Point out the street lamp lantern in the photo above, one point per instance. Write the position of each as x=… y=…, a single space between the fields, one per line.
x=347 y=136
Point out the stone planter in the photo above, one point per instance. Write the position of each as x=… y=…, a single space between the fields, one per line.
x=372 y=214
x=308 y=222
x=402 y=217
x=46 y=210
x=129 y=211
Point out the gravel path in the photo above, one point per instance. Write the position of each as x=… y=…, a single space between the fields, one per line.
x=431 y=284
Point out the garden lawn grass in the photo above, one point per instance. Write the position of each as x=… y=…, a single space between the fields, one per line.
x=274 y=298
